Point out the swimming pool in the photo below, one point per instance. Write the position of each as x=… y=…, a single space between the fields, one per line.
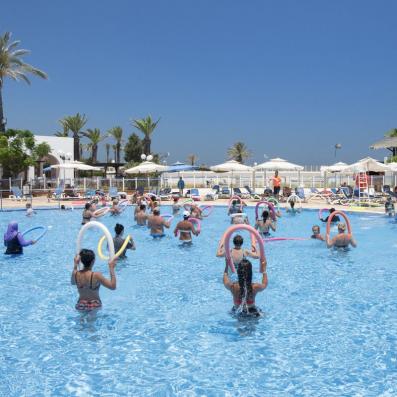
x=330 y=324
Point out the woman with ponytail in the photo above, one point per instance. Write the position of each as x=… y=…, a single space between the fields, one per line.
x=244 y=291
x=265 y=224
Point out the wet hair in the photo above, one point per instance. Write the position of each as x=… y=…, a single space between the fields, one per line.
x=238 y=240
x=87 y=257
x=235 y=202
x=265 y=215
x=292 y=203
x=176 y=199
x=332 y=210
x=119 y=228
x=28 y=205
x=244 y=273
x=115 y=202
x=156 y=211
x=341 y=226
x=142 y=207
x=87 y=206
x=316 y=227
x=63 y=207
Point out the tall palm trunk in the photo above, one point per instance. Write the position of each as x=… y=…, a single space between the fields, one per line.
x=107 y=154
x=2 y=123
x=76 y=146
x=94 y=153
x=118 y=148
x=146 y=145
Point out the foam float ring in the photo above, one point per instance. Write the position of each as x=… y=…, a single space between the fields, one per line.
x=98 y=225
x=271 y=208
x=196 y=222
x=123 y=204
x=118 y=253
x=268 y=239
x=255 y=237
x=101 y=212
x=236 y=198
x=274 y=202
x=209 y=209
x=320 y=212
x=296 y=198
x=43 y=228
x=169 y=216
x=344 y=216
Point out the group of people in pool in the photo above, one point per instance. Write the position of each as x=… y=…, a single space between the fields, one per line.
x=243 y=290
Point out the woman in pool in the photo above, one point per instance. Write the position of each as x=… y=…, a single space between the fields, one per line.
x=335 y=219
x=118 y=241
x=237 y=253
x=88 y=282
x=292 y=209
x=265 y=224
x=14 y=240
x=316 y=233
x=244 y=291
x=115 y=209
x=88 y=213
x=341 y=240
x=195 y=212
x=235 y=208
x=176 y=206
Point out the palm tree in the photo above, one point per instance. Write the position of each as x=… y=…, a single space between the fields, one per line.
x=117 y=134
x=95 y=137
x=75 y=124
x=192 y=158
x=12 y=66
x=392 y=132
x=114 y=147
x=64 y=133
x=239 y=152
x=108 y=146
x=146 y=126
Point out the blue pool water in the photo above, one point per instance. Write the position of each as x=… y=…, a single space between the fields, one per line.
x=330 y=324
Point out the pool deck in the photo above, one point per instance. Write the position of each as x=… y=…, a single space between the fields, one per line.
x=42 y=203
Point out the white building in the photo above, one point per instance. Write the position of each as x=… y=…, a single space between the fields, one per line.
x=61 y=152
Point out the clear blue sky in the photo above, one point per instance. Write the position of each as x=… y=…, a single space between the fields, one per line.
x=289 y=78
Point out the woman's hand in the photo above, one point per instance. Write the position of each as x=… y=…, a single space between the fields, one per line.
x=76 y=261
x=112 y=263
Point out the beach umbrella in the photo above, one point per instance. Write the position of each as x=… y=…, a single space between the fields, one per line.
x=75 y=165
x=146 y=167
x=334 y=168
x=278 y=164
x=178 y=167
x=367 y=164
x=231 y=166
x=337 y=167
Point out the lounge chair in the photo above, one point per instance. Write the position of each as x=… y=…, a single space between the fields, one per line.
x=17 y=194
x=165 y=194
x=237 y=192
x=300 y=192
x=224 y=192
x=213 y=195
x=59 y=193
x=252 y=194
x=195 y=194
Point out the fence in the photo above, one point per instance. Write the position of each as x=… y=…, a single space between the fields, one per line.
x=196 y=179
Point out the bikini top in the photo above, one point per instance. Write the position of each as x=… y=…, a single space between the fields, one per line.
x=87 y=286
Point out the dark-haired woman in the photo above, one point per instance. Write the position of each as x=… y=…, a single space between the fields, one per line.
x=118 y=241
x=88 y=213
x=237 y=253
x=88 y=282
x=265 y=224
x=244 y=291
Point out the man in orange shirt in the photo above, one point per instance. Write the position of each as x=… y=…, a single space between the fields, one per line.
x=276 y=184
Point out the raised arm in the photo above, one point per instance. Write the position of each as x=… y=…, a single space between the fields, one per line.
x=353 y=242
x=272 y=226
x=330 y=243
x=76 y=264
x=226 y=281
x=112 y=283
x=221 y=249
x=23 y=242
x=261 y=286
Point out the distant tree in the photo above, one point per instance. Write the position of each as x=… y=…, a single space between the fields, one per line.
x=18 y=150
x=192 y=159
x=12 y=66
x=95 y=137
x=239 y=152
x=392 y=132
x=117 y=134
x=75 y=124
x=146 y=126
x=108 y=146
x=64 y=133
x=133 y=149
x=114 y=147
x=41 y=151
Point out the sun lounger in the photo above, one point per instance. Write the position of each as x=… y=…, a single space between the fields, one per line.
x=17 y=194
